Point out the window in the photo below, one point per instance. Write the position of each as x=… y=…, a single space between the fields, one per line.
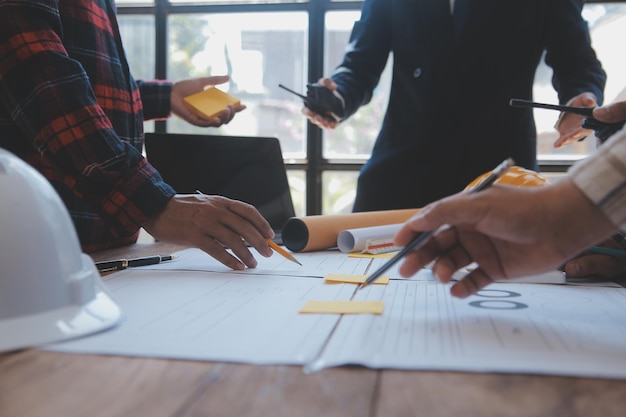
x=607 y=22
x=259 y=51
x=262 y=43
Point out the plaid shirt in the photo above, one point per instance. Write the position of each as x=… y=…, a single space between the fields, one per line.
x=70 y=108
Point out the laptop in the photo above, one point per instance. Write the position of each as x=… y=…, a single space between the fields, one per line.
x=249 y=169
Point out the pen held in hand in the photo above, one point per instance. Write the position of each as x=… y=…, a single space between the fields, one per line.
x=423 y=237
x=582 y=111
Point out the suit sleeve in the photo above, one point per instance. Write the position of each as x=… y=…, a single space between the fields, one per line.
x=365 y=56
x=569 y=52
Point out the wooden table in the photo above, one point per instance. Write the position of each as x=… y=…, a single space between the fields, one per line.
x=35 y=383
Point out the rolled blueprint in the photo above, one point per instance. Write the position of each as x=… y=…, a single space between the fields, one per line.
x=309 y=233
x=356 y=240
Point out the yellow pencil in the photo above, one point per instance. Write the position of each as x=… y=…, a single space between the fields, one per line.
x=283 y=252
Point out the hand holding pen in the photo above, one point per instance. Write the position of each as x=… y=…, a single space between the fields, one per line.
x=282 y=252
x=603 y=128
x=423 y=237
x=214 y=223
x=507 y=231
x=274 y=246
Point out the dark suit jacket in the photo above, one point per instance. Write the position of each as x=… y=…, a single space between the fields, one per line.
x=448 y=118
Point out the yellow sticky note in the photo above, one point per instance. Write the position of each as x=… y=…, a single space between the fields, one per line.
x=210 y=102
x=353 y=279
x=343 y=307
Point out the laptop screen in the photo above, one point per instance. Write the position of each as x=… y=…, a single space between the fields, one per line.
x=249 y=169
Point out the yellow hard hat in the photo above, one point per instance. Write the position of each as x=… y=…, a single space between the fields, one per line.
x=515 y=175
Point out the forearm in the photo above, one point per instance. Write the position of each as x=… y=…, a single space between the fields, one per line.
x=365 y=56
x=571 y=221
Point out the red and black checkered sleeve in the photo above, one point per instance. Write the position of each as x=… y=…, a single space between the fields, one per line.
x=68 y=89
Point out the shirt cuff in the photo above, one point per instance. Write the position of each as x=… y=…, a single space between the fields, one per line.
x=156 y=99
x=602 y=178
x=139 y=197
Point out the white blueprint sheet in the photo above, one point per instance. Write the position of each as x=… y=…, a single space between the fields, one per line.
x=253 y=318
x=314 y=264
x=521 y=328
x=213 y=316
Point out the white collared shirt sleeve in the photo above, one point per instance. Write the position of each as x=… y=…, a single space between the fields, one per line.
x=602 y=178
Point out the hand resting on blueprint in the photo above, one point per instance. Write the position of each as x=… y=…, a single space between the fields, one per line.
x=213 y=223
x=508 y=231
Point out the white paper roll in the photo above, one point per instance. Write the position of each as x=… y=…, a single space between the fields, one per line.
x=355 y=240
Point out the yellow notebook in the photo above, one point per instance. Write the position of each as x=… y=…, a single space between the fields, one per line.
x=210 y=102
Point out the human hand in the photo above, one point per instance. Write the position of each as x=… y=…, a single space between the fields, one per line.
x=213 y=223
x=508 y=231
x=569 y=125
x=598 y=265
x=611 y=113
x=184 y=88
x=316 y=118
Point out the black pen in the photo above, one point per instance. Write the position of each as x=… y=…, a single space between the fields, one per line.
x=603 y=130
x=581 y=111
x=119 y=264
x=423 y=237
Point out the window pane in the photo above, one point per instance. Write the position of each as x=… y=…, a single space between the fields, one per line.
x=338 y=192
x=237 y=1
x=259 y=51
x=354 y=138
x=139 y=39
x=133 y=2
x=297 y=185
x=608 y=25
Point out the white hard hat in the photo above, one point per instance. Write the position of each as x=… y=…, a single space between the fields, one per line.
x=49 y=289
